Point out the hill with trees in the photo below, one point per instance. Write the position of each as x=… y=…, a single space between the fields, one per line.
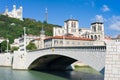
x=12 y=28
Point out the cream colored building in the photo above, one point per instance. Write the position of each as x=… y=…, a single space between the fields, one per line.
x=70 y=41
x=71 y=36
x=15 y=13
x=71 y=26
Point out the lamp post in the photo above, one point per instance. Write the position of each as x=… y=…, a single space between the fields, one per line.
x=7 y=45
x=24 y=38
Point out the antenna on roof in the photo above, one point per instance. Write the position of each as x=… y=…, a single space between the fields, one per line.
x=71 y=17
x=46 y=15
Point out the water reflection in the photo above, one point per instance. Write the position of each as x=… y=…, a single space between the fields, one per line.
x=8 y=74
x=76 y=75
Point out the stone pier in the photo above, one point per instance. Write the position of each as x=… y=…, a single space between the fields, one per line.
x=112 y=64
x=5 y=59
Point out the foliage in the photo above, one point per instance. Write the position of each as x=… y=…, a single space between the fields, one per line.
x=14 y=49
x=3 y=46
x=31 y=46
x=12 y=28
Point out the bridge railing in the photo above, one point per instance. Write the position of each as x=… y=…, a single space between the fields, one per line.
x=87 y=48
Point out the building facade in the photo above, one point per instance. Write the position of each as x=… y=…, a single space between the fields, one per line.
x=71 y=26
x=15 y=13
x=70 y=35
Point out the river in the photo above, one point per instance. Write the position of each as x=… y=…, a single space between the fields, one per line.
x=9 y=74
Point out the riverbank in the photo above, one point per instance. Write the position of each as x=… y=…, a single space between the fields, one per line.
x=86 y=69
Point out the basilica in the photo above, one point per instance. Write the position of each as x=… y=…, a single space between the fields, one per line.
x=15 y=13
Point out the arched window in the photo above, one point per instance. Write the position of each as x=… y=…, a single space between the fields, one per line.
x=98 y=37
x=99 y=28
x=74 y=24
x=95 y=37
x=94 y=28
x=91 y=36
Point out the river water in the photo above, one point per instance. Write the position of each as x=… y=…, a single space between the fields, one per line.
x=9 y=74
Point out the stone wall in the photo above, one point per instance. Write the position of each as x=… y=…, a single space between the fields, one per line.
x=112 y=64
x=19 y=60
x=5 y=59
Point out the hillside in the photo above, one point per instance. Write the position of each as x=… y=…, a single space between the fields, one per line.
x=12 y=28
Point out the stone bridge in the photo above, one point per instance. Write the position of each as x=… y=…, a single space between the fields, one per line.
x=60 y=58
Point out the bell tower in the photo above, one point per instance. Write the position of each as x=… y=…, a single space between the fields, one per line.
x=97 y=29
x=71 y=26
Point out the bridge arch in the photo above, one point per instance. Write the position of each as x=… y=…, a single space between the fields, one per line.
x=95 y=58
x=51 y=62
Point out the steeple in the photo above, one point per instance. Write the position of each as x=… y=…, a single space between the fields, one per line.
x=42 y=37
x=46 y=14
x=42 y=32
x=6 y=10
x=14 y=7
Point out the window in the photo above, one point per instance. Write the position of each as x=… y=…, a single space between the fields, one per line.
x=58 y=31
x=91 y=36
x=95 y=37
x=56 y=42
x=73 y=42
x=74 y=24
x=94 y=28
x=61 y=42
x=99 y=28
x=67 y=42
x=63 y=31
x=78 y=43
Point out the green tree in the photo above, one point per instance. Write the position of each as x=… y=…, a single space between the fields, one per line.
x=31 y=46
x=14 y=49
x=12 y=28
x=3 y=46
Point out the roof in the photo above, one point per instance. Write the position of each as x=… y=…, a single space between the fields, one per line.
x=96 y=23
x=70 y=20
x=69 y=37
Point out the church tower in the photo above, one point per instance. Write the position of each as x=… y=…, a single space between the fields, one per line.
x=42 y=33
x=71 y=26
x=42 y=37
x=97 y=29
x=6 y=11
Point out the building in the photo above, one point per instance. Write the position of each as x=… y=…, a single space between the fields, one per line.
x=2 y=39
x=15 y=43
x=19 y=42
x=70 y=35
x=71 y=26
x=70 y=41
x=15 y=13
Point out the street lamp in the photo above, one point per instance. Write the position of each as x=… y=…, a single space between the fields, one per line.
x=7 y=45
x=25 y=40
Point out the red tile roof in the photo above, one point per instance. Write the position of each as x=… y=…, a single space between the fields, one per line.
x=69 y=37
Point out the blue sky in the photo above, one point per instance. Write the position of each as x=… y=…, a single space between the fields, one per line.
x=86 y=11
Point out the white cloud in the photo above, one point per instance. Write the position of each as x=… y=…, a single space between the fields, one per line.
x=105 y=8
x=99 y=18
x=115 y=23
